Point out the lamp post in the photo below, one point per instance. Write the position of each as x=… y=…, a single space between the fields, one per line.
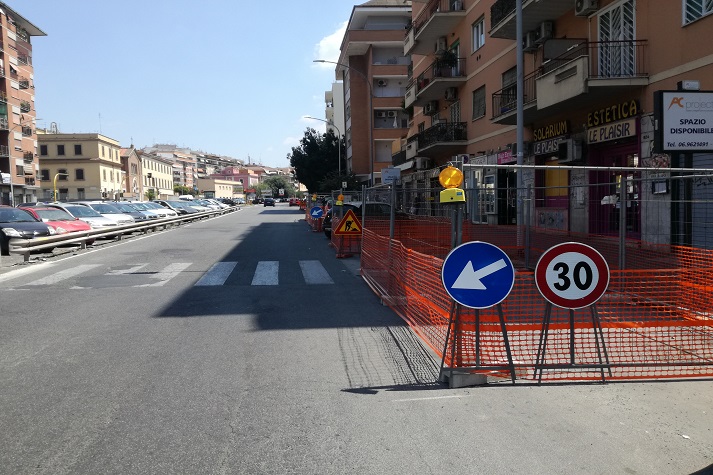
x=339 y=140
x=54 y=184
x=371 y=113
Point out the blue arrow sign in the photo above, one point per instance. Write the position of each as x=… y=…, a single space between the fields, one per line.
x=316 y=212
x=478 y=274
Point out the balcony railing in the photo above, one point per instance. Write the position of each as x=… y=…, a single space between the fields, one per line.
x=27 y=131
x=4 y=123
x=607 y=59
x=24 y=83
x=436 y=6
x=30 y=181
x=500 y=10
x=25 y=106
x=4 y=151
x=442 y=68
x=505 y=100
x=28 y=156
x=444 y=132
x=25 y=59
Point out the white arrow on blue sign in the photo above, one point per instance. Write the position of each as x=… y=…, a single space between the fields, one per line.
x=316 y=212
x=478 y=274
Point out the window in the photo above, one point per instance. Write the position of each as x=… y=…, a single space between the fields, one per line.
x=62 y=174
x=79 y=174
x=60 y=149
x=479 y=103
x=80 y=194
x=44 y=175
x=509 y=94
x=617 y=55
x=104 y=175
x=479 y=34
x=43 y=150
x=696 y=9
x=78 y=149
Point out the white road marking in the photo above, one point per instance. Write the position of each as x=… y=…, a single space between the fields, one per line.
x=130 y=270
x=314 y=273
x=62 y=275
x=266 y=273
x=217 y=275
x=168 y=273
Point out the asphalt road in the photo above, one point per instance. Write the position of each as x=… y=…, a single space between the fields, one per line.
x=241 y=345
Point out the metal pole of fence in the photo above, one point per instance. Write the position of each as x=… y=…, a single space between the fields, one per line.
x=528 y=201
x=622 y=221
x=392 y=212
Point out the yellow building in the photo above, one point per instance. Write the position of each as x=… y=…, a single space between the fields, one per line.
x=217 y=188
x=157 y=176
x=80 y=166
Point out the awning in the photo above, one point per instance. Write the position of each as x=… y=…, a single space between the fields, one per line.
x=406 y=165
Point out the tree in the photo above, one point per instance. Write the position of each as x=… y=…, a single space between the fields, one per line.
x=278 y=182
x=182 y=190
x=334 y=182
x=315 y=158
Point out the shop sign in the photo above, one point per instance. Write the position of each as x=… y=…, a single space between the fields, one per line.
x=547 y=147
x=506 y=157
x=687 y=120
x=614 y=113
x=551 y=131
x=613 y=131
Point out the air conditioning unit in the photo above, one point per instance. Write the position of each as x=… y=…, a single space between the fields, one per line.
x=547 y=29
x=441 y=45
x=451 y=94
x=585 y=7
x=380 y=114
x=423 y=163
x=392 y=114
x=570 y=150
x=530 y=42
x=430 y=108
x=382 y=83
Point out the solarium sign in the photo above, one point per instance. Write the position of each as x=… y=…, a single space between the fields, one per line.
x=685 y=121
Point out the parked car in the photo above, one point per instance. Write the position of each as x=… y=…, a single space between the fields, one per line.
x=269 y=202
x=60 y=220
x=294 y=202
x=108 y=210
x=18 y=223
x=160 y=211
x=179 y=206
x=137 y=214
x=86 y=214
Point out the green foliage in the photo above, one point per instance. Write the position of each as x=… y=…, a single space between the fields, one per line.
x=150 y=194
x=275 y=183
x=182 y=190
x=316 y=158
x=333 y=182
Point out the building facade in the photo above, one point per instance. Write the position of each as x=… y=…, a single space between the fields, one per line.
x=591 y=72
x=374 y=69
x=80 y=166
x=156 y=176
x=19 y=166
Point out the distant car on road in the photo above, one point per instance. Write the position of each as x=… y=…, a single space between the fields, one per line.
x=269 y=202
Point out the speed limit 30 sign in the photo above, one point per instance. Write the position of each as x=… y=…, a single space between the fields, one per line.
x=572 y=275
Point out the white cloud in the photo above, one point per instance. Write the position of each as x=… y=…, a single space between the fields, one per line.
x=328 y=47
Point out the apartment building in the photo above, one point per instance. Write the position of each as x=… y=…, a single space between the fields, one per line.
x=374 y=72
x=19 y=166
x=591 y=73
x=80 y=166
x=156 y=176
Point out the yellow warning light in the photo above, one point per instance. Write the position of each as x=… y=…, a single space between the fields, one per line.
x=450 y=177
x=340 y=197
x=314 y=197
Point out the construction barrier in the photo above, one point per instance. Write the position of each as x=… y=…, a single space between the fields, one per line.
x=654 y=321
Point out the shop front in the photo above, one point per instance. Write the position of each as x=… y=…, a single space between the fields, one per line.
x=613 y=142
x=551 y=195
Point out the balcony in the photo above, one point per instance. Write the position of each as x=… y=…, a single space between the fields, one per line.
x=4 y=151
x=24 y=59
x=437 y=19
x=586 y=74
x=4 y=123
x=445 y=138
x=28 y=156
x=589 y=72
x=25 y=106
x=31 y=181
x=24 y=82
x=534 y=12
x=433 y=82
x=412 y=147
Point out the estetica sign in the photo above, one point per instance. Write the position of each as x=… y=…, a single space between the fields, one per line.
x=685 y=121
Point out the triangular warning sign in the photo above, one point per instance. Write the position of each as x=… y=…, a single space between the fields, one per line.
x=349 y=225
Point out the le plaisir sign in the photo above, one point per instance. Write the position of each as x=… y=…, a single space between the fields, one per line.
x=685 y=121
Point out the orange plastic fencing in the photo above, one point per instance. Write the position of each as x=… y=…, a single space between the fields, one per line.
x=656 y=316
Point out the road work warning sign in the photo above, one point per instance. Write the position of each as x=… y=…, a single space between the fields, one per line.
x=349 y=225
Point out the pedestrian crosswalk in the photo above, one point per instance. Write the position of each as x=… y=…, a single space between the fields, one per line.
x=263 y=274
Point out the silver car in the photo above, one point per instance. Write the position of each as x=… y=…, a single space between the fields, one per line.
x=108 y=211
x=86 y=214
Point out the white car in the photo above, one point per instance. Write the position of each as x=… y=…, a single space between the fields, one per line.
x=159 y=211
x=217 y=203
x=108 y=211
x=86 y=214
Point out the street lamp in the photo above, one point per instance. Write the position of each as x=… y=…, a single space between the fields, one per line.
x=339 y=140
x=54 y=184
x=371 y=113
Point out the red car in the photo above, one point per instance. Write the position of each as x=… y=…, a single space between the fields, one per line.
x=59 y=219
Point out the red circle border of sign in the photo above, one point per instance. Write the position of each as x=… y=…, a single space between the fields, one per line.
x=550 y=254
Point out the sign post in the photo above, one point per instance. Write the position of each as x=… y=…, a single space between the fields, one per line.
x=572 y=275
x=477 y=275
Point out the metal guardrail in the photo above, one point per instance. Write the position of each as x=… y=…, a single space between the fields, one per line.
x=27 y=246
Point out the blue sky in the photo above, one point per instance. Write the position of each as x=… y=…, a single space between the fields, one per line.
x=230 y=77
